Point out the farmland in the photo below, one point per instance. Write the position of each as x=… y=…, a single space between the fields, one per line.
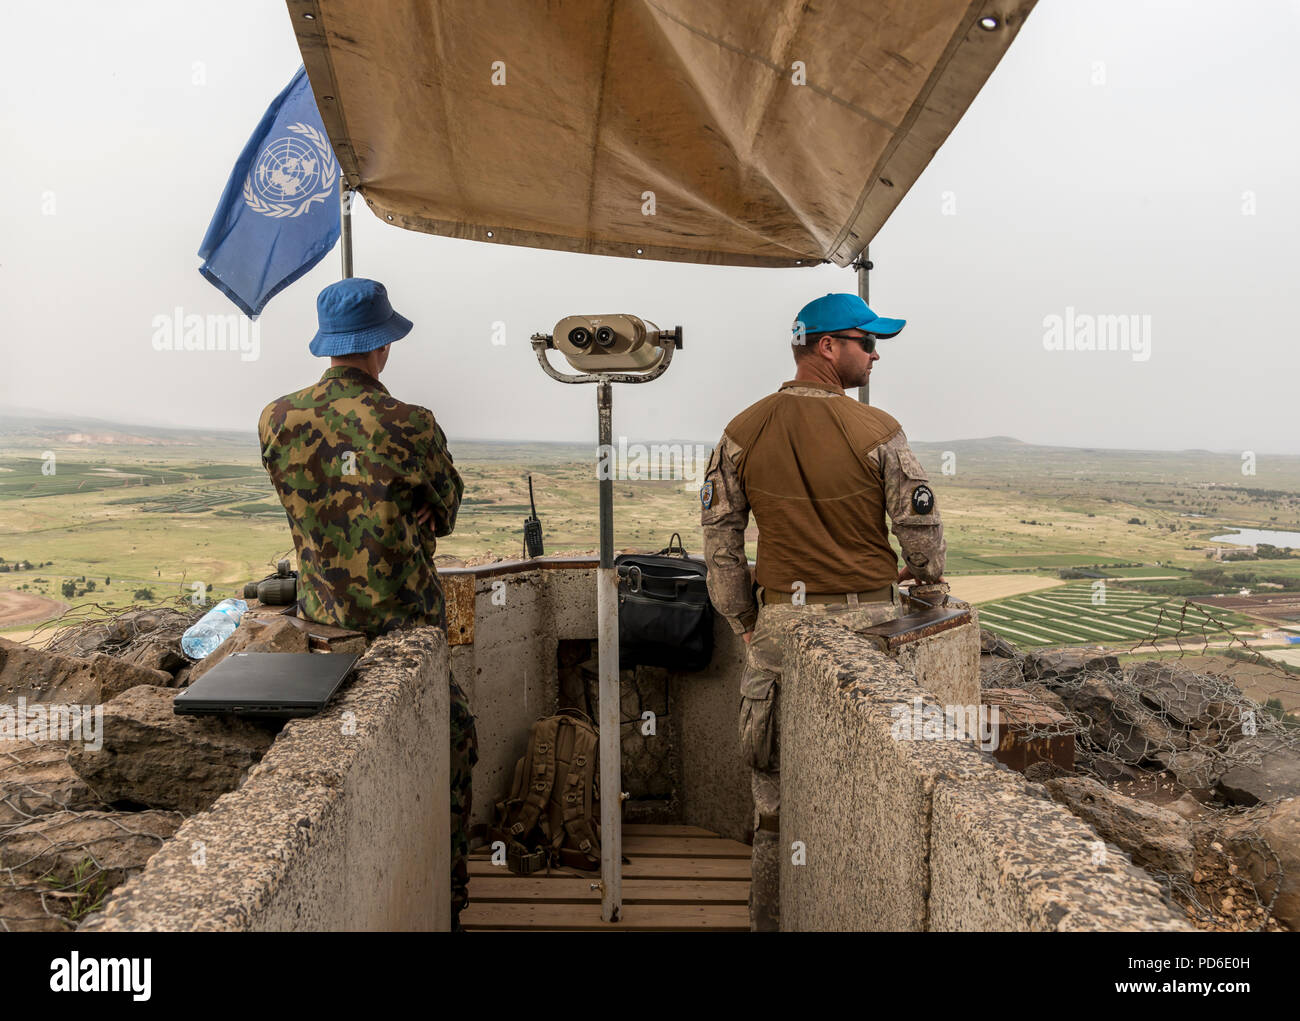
x=149 y=510
x=1101 y=613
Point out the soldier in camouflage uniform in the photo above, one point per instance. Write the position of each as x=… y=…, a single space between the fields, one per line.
x=368 y=484
x=820 y=472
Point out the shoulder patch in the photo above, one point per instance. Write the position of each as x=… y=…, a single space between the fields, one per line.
x=922 y=500
x=706 y=494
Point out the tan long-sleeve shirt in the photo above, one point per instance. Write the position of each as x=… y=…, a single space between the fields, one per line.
x=820 y=472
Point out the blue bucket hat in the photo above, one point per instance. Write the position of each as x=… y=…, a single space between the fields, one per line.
x=844 y=312
x=355 y=317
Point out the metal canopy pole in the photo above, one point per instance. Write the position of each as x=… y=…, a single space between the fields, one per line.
x=863 y=266
x=345 y=225
x=610 y=713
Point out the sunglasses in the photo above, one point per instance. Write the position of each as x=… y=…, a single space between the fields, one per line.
x=868 y=342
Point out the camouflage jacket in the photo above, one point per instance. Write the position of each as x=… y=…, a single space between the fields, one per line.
x=352 y=466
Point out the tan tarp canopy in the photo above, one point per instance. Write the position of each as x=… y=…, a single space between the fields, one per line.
x=770 y=132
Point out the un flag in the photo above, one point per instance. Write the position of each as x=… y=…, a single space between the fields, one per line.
x=279 y=214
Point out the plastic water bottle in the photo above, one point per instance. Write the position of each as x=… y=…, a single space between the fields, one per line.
x=213 y=628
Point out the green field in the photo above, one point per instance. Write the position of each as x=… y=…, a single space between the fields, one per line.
x=1070 y=615
x=154 y=509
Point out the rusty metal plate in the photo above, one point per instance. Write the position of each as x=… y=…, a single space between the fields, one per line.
x=458 y=590
x=894 y=634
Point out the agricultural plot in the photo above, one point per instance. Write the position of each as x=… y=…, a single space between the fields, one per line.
x=193 y=501
x=28 y=477
x=1068 y=615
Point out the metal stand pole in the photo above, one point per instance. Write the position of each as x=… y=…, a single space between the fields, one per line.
x=611 y=780
x=345 y=225
x=864 y=292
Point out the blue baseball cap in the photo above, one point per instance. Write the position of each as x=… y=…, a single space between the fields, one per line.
x=355 y=317
x=844 y=312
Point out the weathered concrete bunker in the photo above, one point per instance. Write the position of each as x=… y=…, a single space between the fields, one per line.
x=343 y=824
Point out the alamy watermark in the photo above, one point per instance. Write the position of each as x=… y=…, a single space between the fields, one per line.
x=1077 y=331
x=638 y=462
x=917 y=721
x=193 y=332
x=50 y=721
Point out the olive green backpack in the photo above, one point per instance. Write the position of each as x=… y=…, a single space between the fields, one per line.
x=551 y=815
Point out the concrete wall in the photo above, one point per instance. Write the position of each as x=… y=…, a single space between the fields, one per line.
x=947 y=664
x=903 y=834
x=715 y=781
x=343 y=825
x=509 y=672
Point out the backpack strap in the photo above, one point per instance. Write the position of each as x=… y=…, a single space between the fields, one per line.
x=577 y=792
x=540 y=777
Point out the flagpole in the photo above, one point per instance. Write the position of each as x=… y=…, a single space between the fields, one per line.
x=345 y=225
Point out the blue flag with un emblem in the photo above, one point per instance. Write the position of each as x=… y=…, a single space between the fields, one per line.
x=279 y=214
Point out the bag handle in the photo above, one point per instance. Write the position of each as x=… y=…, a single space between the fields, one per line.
x=670 y=550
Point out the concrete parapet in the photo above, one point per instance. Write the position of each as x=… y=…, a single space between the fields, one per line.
x=900 y=832
x=343 y=825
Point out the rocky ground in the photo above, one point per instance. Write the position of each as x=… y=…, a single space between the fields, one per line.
x=76 y=820
x=1173 y=767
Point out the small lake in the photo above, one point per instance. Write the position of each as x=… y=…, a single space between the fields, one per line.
x=1254 y=536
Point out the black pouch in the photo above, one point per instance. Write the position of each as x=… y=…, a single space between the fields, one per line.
x=664 y=614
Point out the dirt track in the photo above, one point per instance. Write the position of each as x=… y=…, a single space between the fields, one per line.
x=981 y=588
x=27 y=608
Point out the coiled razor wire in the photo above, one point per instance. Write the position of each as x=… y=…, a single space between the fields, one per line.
x=1161 y=715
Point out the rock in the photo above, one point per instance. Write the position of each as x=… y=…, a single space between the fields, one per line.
x=1043 y=770
x=1120 y=724
x=255 y=635
x=996 y=672
x=40 y=676
x=1190 y=809
x=1270 y=771
x=1184 y=696
x=1266 y=842
x=155 y=654
x=151 y=756
x=1192 y=767
x=1110 y=769
x=1052 y=666
x=25 y=909
x=995 y=645
x=116 y=676
x=35 y=779
x=88 y=846
x=1155 y=837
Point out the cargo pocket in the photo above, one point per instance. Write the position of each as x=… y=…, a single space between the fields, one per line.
x=758 y=721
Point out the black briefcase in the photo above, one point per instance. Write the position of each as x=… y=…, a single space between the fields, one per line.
x=664 y=614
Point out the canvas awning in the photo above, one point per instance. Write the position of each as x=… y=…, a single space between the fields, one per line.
x=546 y=122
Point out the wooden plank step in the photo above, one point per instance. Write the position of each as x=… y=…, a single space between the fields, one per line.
x=685 y=847
x=485 y=890
x=648 y=829
x=640 y=868
x=636 y=917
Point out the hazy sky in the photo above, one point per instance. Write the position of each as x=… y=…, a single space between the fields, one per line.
x=1126 y=158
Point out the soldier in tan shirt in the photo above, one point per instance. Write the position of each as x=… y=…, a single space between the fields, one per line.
x=819 y=471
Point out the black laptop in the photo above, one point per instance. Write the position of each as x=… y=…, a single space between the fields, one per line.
x=267 y=684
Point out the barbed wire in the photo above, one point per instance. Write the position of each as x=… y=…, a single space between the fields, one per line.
x=1156 y=719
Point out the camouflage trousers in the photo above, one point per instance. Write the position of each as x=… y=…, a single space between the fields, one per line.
x=760 y=738
x=464 y=753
